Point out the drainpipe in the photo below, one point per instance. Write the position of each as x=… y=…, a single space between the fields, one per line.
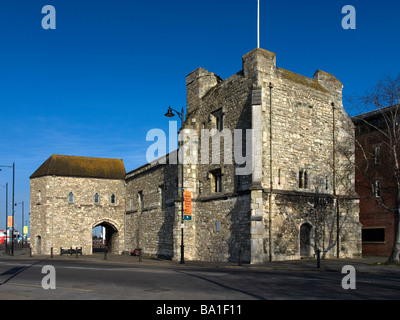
x=52 y=216
x=334 y=180
x=270 y=175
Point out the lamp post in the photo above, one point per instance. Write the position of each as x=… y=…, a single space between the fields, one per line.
x=22 y=226
x=13 y=199
x=5 y=238
x=170 y=114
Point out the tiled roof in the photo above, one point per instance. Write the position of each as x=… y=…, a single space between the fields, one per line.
x=72 y=166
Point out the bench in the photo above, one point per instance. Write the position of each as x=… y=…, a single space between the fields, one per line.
x=71 y=251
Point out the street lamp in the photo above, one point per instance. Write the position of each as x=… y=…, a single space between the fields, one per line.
x=170 y=114
x=5 y=238
x=22 y=226
x=13 y=199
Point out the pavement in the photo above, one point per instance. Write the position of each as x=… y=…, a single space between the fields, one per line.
x=366 y=264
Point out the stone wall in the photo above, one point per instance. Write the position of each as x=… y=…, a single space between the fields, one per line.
x=223 y=229
x=55 y=222
x=303 y=131
x=220 y=218
x=298 y=143
x=151 y=213
x=307 y=151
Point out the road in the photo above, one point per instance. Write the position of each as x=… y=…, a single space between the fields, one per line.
x=97 y=280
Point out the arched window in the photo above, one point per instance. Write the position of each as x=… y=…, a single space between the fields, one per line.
x=96 y=198
x=113 y=199
x=71 y=197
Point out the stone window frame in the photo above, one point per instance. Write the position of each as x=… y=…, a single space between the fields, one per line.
x=203 y=128
x=279 y=176
x=96 y=195
x=71 y=197
x=140 y=200
x=304 y=179
x=216 y=180
x=327 y=182
x=113 y=199
x=217 y=119
x=161 y=190
x=200 y=187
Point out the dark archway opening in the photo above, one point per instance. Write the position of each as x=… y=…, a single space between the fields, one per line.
x=104 y=235
x=305 y=240
x=39 y=245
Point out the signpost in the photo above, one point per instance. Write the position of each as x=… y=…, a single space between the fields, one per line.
x=10 y=222
x=187 y=208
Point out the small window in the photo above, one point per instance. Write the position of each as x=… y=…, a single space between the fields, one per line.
x=161 y=191
x=219 y=119
x=377 y=155
x=303 y=179
x=141 y=200
x=113 y=199
x=373 y=235
x=96 y=198
x=71 y=197
x=216 y=181
x=279 y=177
x=200 y=187
x=378 y=188
x=203 y=128
x=219 y=123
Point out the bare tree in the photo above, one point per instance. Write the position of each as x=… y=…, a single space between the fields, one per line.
x=383 y=125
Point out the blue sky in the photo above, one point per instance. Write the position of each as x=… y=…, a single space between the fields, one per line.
x=106 y=75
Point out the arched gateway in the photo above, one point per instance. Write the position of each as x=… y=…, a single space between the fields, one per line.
x=111 y=235
x=71 y=195
x=242 y=208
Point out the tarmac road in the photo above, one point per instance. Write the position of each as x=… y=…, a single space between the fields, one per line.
x=93 y=279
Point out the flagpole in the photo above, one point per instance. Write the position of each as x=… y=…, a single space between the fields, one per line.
x=258 y=24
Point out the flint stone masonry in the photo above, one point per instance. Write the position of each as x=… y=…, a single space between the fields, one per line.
x=297 y=197
x=57 y=223
x=152 y=222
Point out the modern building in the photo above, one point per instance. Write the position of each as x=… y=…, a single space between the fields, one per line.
x=375 y=179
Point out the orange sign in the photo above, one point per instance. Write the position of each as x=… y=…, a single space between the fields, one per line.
x=187 y=207
x=10 y=222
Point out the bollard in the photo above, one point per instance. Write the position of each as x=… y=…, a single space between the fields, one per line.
x=240 y=257
x=140 y=255
x=105 y=252
x=30 y=252
x=318 y=259
x=51 y=252
x=76 y=251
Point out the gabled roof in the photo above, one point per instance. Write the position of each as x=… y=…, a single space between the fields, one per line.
x=72 y=166
x=376 y=113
